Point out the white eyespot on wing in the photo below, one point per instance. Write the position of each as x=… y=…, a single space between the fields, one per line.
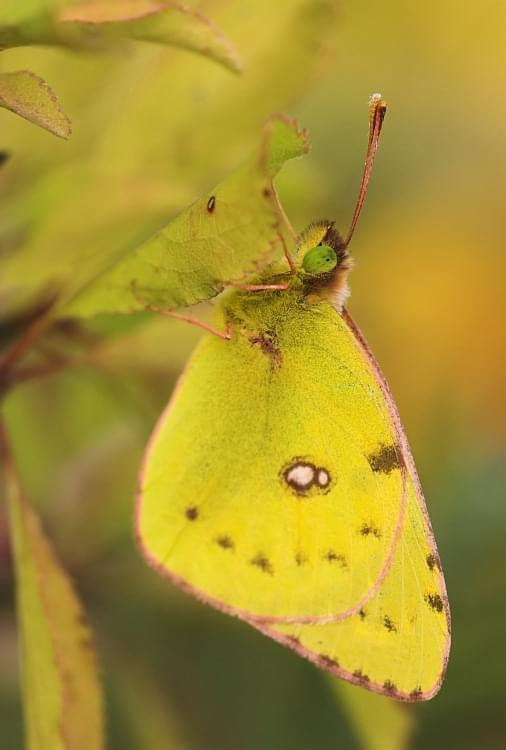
x=300 y=476
x=322 y=478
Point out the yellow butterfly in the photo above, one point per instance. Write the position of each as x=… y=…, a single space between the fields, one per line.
x=278 y=485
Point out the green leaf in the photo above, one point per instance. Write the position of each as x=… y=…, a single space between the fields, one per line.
x=30 y=97
x=62 y=698
x=95 y=24
x=223 y=237
x=156 y=129
x=203 y=117
x=152 y=21
x=379 y=723
x=13 y=12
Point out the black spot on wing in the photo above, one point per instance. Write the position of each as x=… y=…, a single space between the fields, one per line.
x=369 y=529
x=416 y=693
x=225 y=542
x=390 y=686
x=300 y=559
x=433 y=562
x=362 y=614
x=361 y=677
x=389 y=624
x=192 y=513
x=267 y=342
x=434 y=601
x=328 y=661
x=262 y=562
x=385 y=459
x=334 y=557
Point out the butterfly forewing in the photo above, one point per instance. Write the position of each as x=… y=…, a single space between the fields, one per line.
x=274 y=485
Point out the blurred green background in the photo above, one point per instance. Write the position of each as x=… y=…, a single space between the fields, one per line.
x=154 y=128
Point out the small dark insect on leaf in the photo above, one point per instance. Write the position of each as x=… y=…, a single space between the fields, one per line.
x=211 y=203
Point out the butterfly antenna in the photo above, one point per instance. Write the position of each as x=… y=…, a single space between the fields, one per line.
x=377 y=111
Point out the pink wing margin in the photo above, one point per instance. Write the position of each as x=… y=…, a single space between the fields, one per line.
x=264 y=628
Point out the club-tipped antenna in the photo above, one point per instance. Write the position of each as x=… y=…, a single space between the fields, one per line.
x=377 y=111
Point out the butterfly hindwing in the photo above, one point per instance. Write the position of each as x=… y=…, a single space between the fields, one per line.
x=398 y=642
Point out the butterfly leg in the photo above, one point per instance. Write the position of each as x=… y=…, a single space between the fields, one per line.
x=226 y=334
x=289 y=257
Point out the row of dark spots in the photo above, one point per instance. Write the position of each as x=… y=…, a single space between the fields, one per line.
x=260 y=560
x=389 y=686
x=388 y=623
x=360 y=677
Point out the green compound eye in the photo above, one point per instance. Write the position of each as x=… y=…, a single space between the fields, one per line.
x=320 y=259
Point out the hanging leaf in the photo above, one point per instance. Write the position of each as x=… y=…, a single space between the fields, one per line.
x=379 y=722
x=32 y=98
x=97 y=24
x=62 y=697
x=151 y=21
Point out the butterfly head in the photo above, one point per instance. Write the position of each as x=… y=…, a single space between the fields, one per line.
x=319 y=260
x=324 y=262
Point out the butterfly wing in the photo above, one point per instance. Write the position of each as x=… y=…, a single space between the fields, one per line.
x=274 y=486
x=398 y=644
